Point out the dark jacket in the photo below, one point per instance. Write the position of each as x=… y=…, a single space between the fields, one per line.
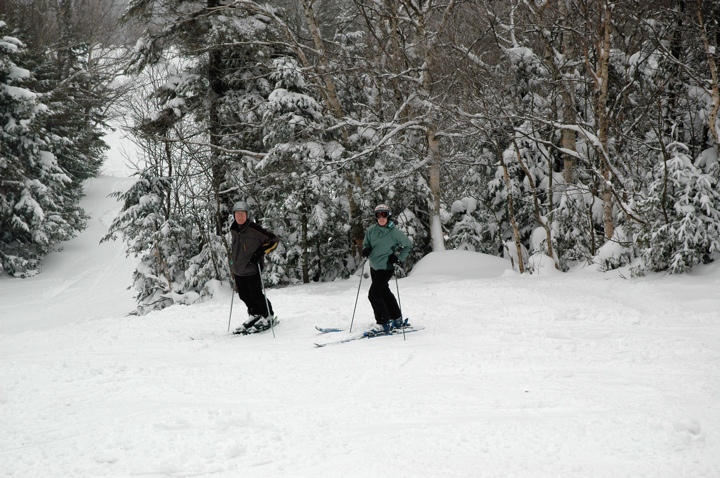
x=246 y=241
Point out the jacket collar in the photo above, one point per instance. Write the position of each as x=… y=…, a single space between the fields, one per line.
x=238 y=228
x=389 y=225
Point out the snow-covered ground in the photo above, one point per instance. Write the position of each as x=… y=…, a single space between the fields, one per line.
x=553 y=375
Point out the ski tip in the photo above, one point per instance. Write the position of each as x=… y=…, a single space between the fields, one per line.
x=327 y=330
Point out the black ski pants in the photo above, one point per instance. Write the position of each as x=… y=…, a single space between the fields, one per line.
x=383 y=301
x=251 y=292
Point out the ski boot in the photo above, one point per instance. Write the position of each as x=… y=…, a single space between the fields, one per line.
x=383 y=328
x=247 y=325
x=400 y=323
x=263 y=323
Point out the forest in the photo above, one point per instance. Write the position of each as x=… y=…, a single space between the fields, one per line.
x=581 y=131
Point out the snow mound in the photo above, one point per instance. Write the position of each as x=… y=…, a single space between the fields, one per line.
x=542 y=264
x=461 y=264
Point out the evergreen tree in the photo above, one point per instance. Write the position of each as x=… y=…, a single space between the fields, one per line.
x=157 y=240
x=301 y=191
x=76 y=104
x=38 y=204
x=681 y=214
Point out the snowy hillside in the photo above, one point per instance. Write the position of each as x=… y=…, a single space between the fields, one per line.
x=552 y=375
x=86 y=280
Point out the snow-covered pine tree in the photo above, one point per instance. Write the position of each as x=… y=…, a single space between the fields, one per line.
x=467 y=232
x=38 y=206
x=75 y=62
x=681 y=213
x=302 y=191
x=78 y=100
x=470 y=220
x=158 y=240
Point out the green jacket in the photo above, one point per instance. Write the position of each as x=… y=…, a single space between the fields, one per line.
x=385 y=241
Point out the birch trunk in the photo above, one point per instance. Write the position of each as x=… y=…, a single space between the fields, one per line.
x=435 y=225
x=715 y=91
x=601 y=84
x=429 y=42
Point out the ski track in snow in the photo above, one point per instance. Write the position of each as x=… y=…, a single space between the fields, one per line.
x=581 y=374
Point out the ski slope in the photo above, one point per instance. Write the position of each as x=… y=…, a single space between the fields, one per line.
x=584 y=374
x=85 y=280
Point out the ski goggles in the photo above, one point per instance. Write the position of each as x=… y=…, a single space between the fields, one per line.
x=380 y=214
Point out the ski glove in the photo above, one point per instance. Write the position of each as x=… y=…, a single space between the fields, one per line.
x=393 y=259
x=366 y=252
x=256 y=257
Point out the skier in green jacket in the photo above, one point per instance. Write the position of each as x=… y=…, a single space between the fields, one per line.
x=385 y=246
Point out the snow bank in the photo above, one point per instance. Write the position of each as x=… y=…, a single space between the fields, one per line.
x=461 y=265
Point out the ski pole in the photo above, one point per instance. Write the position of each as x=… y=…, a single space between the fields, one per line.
x=232 y=298
x=267 y=306
x=402 y=317
x=362 y=270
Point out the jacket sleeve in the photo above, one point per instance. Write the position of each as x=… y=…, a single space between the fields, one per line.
x=270 y=245
x=366 y=241
x=268 y=241
x=403 y=245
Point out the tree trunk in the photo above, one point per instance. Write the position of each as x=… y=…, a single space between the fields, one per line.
x=305 y=248
x=168 y=159
x=715 y=91
x=568 y=139
x=430 y=42
x=601 y=84
x=435 y=225
x=323 y=68
x=511 y=214
x=217 y=166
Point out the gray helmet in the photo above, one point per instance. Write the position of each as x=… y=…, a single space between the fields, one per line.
x=383 y=208
x=241 y=206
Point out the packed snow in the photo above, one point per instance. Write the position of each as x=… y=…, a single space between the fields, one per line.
x=582 y=374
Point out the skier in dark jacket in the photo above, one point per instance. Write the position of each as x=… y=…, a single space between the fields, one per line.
x=250 y=243
x=385 y=246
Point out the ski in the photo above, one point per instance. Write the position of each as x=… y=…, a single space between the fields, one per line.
x=330 y=330
x=365 y=335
